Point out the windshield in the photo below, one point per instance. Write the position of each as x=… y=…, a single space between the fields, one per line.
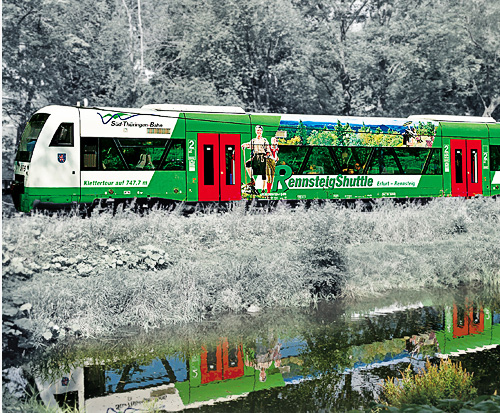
x=30 y=135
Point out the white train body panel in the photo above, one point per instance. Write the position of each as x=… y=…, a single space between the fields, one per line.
x=56 y=166
x=121 y=123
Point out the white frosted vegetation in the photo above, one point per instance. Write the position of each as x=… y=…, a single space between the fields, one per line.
x=97 y=275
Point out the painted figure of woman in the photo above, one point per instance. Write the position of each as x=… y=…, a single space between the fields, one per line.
x=271 y=159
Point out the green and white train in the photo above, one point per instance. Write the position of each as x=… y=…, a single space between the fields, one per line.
x=81 y=156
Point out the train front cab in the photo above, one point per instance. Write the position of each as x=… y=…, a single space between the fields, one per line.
x=470 y=165
x=47 y=163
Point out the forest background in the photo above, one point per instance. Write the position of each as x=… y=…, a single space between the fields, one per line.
x=339 y=57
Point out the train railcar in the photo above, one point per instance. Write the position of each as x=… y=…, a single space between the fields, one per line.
x=80 y=156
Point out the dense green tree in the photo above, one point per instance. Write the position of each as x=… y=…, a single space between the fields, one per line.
x=330 y=28
x=57 y=52
x=426 y=57
x=25 y=44
x=481 y=34
x=364 y=57
x=244 y=53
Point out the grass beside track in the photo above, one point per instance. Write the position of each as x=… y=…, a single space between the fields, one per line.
x=91 y=277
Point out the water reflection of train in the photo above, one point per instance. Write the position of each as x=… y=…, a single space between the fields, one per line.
x=228 y=370
x=223 y=371
x=468 y=327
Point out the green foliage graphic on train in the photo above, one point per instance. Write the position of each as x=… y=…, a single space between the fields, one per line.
x=353 y=131
x=319 y=153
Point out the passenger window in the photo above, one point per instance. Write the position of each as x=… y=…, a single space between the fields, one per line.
x=111 y=159
x=383 y=162
x=351 y=160
x=434 y=165
x=142 y=153
x=293 y=156
x=63 y=135
x=320 y=162
x=495 y=157
x=412 y=160
x=175 y=159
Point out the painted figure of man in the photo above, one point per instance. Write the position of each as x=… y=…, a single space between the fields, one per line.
x=264 y=360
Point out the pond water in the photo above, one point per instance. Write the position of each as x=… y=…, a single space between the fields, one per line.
x=331 y=357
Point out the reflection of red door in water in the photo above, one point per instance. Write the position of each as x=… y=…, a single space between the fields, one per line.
x=467 y=320
x=226 y=362
x=219 y=167
x=466 y=167
x=211 y=365
x=233 y=361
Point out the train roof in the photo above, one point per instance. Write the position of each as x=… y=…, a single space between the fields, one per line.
x=194 y=108
x=450 y=118
x=352 y=120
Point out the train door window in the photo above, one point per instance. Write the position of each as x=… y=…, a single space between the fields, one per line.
x=230 y=164
x=459 y=179
x=142 y=153
x=175 y=156
x=495 y=157
x=232 y=356
x=460 y=321
x=110 y=157
x=383 y=162
x=293 y=156
x=473 y=166
x=63 y=135
x=320 y=162
x=89 y=153
x=208 y=158
x=476 y=314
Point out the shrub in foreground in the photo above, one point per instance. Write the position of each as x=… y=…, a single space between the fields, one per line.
x=439 y=383
x=479 y=404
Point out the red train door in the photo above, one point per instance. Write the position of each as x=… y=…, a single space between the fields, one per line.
x=230 y=168
x=466 y=167
x=208 y=167
x=474 y=168
x=219 y=166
